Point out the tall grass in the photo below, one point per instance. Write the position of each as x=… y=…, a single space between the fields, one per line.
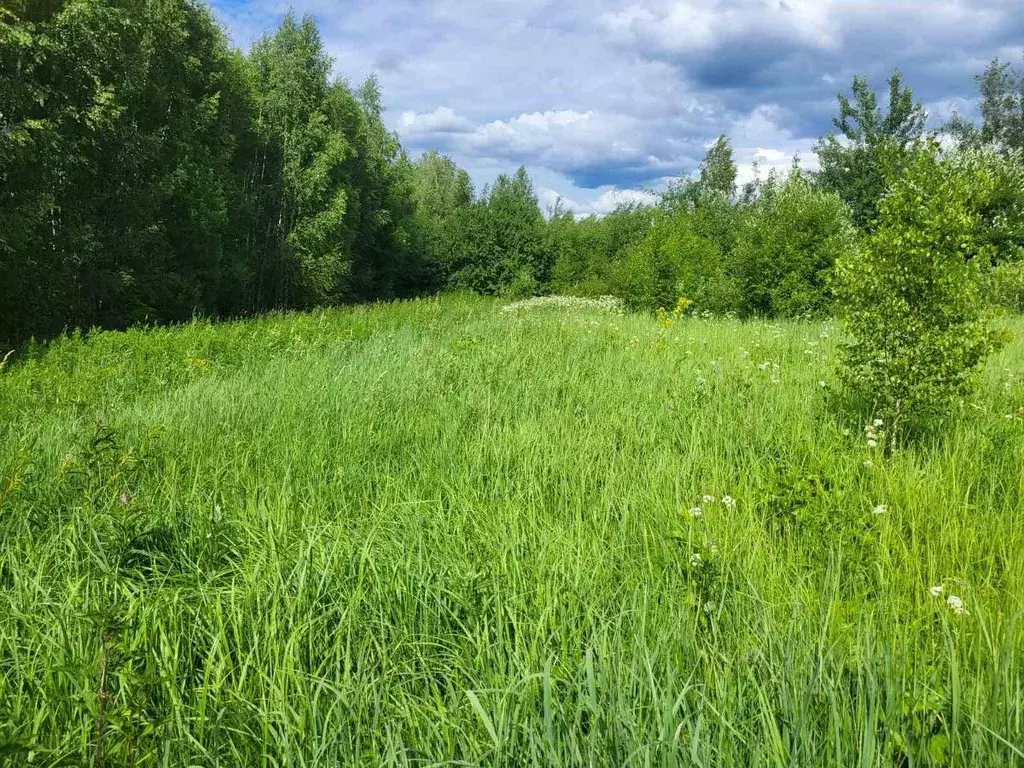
x=437 y=533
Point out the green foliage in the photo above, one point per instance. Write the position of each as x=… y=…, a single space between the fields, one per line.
x=588 y=251
x=716 y=181
x=150 y=174
x=718 y=170
x=442 y=192
x=1001 y=91
x=769 y=255
x=686 y=251
x=870 y=148
x=301 y=153
x=1003 y=286
x=911 y=297
x=501 y=240
x=786 y=248
x=113 y=149
x=677 y=260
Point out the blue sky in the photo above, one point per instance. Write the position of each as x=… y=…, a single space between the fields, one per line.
x=601 y=99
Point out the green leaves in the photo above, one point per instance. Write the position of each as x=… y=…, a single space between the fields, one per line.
x=872 y=147
x=155 y=174
x=911 y=297
x=786 y=248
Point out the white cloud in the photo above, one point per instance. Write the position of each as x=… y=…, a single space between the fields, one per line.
x=696 y=26
x=565 y=140
x=599 y=97
x=440 y=120
x=605 y=202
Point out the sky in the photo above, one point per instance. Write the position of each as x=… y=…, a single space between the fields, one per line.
x=606 y=100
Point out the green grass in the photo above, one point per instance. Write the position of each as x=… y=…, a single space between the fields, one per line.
x=434 y=532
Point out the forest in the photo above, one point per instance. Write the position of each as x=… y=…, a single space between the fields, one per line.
x=152 y=173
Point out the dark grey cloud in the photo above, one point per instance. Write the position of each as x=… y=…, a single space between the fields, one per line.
x=597 y=95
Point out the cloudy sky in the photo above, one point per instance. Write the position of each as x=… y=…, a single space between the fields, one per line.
x=602 y=99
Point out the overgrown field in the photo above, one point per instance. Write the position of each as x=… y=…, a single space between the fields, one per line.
x=437 y=532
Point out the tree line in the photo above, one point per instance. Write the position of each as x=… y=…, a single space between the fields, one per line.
x=149 y=173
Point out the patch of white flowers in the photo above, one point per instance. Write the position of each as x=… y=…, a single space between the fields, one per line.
x=607 y=304
x=871 y=432
x=955 y=603
x=698 y=511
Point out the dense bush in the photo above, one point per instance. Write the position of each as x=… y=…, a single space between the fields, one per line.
x=500 y=241
x=786 y=247
x=770 y=256
x=1003 y=286
x=676 y=260
x=911 y=297
x=587 y=251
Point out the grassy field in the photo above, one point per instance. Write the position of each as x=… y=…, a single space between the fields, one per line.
x=437 y=532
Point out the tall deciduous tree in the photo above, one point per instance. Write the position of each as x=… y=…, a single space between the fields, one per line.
x=502 y=239
x=114 y=161
x=298 y=171
x=718 y=169
x=1001 y=89
x=871 y=146
x=442 y=193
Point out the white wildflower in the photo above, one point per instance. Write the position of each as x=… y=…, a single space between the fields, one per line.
x=708 y=499
x=877 y=423
x=696 y=560
x=607 y=304
x=936 y=590
x=696 y=512
x=869 y=464
x=956 y=605
x=872 y=443
x=729 y=501
x=880 y=509
x=822 y=384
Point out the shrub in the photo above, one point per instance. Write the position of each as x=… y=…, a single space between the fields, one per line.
x=786 y=249
x=523 y=286
x=911 y=297
x=497 y=244
x=589 y=250
x=675 y=259
x=1003 y=286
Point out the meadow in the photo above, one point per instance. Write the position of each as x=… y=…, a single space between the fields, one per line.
x=440 y=532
